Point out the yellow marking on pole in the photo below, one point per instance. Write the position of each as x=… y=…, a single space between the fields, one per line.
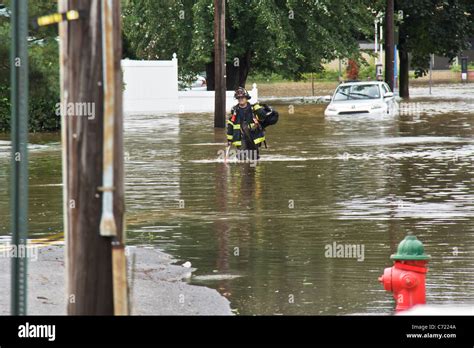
x=56 y=18
x=72 y=15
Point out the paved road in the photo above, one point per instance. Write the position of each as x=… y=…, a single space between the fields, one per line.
x=159 y=287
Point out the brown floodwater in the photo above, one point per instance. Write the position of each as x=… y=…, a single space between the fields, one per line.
x=258 y=233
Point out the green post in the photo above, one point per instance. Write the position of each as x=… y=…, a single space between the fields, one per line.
x=19 y=173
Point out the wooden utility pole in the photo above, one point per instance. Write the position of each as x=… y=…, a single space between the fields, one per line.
x=88 y=254
x=219 y=59
x=390 y=44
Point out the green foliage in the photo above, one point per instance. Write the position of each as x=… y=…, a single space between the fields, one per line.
x=4 y=109
x=457 y=68
x=157 y=29
x=186 y=79
x=286 y=37
x=367 y=71
x=43 y=72
x=4 y=79
x=440 y=27
x=44 y=90
x=325 y=75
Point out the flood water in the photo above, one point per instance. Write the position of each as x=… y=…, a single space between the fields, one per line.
x=259 y=233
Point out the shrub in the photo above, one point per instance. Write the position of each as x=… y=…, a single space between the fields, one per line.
x=352 y=70
x=43 y=80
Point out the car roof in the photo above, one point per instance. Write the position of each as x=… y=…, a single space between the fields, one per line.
x=361 y=83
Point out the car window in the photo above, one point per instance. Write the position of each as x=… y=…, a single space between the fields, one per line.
x=356 y=92
x=385 y=89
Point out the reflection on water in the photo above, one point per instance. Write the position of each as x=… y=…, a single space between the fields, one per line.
x=258 y=234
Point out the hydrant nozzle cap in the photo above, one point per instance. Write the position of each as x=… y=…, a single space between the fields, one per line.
x=410 y=249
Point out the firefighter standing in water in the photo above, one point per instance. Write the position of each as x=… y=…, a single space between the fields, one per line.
x=244 y=130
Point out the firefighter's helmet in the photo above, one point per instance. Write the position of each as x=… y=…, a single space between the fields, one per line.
x=241 y=92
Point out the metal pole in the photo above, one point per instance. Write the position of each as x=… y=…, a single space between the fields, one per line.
x=395 y=67
x=19 y=173
x=107 y=222
x=381 y=44
x=376 y=22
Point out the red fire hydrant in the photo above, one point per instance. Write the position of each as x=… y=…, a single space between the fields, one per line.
x=406 y=279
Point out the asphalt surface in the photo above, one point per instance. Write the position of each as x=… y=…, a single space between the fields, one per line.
x=157 y=288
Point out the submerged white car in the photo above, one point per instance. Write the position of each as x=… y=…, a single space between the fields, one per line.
x=368 y=97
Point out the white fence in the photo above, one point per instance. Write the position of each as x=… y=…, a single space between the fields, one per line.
x=151 y=87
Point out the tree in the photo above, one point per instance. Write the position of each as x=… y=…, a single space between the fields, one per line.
x=352 y=70
x=288 y=37
x=44 y=70
x=441 y=27
x=154 y=30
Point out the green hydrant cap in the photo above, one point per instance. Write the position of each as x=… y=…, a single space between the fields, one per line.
x=410 y=249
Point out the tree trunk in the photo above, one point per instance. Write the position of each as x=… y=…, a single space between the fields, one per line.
x=389 y=44
x=236 y=75
x=244 y=69
x=404 y=90
x=232 y=77
x=210 y=78
x=404 y=73
x=88 y=255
